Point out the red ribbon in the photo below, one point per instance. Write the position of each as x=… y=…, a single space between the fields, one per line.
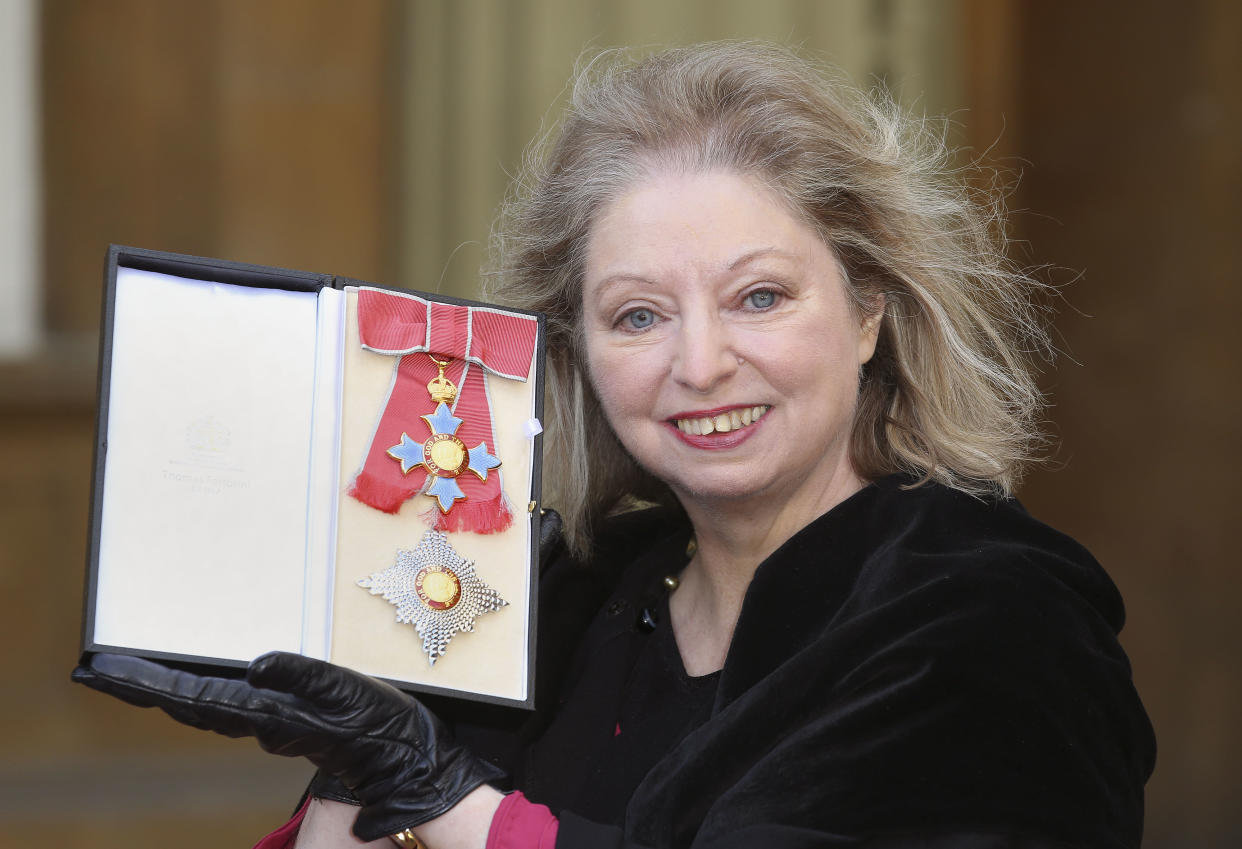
x=475 y=340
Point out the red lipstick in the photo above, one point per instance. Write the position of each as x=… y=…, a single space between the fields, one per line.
x=712 y=413
x=715 y=440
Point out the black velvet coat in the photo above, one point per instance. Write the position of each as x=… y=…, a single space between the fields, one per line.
x=915 y=668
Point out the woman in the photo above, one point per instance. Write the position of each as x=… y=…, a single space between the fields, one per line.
x=774 y=315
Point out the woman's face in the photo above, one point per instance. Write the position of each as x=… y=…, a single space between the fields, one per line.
x=721 y=341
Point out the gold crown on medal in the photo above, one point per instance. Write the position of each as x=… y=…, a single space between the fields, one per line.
x=441 y=389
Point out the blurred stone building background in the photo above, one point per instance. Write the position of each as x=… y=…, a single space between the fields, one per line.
x=374 y=138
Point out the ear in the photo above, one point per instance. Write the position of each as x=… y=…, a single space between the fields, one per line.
x=869 y=332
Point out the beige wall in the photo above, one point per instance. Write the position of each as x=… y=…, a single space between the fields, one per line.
x=1136 y=182
x=485 y=78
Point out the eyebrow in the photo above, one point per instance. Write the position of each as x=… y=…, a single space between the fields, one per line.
x=621 y=277
x=738 y=262
x=759 y=253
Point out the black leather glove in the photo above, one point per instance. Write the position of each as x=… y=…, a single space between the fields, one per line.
x=551 y=540
x=396 y=756
x=325 y=786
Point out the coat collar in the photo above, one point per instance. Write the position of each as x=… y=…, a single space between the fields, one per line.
x=795 y=591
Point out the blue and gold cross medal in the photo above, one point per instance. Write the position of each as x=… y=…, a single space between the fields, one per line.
x=442 y=454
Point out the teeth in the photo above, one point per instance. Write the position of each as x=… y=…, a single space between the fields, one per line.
x=723 y=423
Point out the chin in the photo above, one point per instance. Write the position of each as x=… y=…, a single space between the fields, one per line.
x=720 y=491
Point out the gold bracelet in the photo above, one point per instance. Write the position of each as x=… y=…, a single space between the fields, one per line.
x=407 y=840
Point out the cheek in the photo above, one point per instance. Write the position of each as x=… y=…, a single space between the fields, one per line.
x=809 y=364
x=617 y=380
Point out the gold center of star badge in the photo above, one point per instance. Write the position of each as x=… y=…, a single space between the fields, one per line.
x=436 y=590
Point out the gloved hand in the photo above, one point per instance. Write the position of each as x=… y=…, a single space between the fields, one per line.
x=326 y=786
x=396 y=756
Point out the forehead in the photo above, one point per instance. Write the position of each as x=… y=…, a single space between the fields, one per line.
x=710 y=219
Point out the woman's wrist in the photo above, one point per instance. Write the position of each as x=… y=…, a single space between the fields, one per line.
x=328 y=824
x=466 y=824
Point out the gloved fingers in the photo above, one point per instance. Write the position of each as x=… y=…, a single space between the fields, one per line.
x=145 y=683
x=227 y=706
x=293 y=673
x=330 y=687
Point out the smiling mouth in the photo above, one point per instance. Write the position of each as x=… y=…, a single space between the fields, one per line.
x=735 y=419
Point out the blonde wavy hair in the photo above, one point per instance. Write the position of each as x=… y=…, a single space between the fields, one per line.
x=949 y=395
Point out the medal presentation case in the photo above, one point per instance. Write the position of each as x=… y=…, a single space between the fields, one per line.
x=302 y=462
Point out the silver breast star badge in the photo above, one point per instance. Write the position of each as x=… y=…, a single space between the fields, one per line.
x=436 y=590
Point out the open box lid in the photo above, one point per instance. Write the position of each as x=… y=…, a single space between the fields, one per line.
x=239 y=408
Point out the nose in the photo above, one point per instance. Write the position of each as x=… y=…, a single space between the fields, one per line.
x=705 y=355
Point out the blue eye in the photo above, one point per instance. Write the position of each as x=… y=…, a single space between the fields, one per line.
x=762 y=299
x=639 y=319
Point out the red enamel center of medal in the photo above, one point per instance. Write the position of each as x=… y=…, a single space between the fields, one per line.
x=437 y=586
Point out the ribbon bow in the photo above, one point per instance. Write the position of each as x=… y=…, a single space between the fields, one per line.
x=477 y=341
